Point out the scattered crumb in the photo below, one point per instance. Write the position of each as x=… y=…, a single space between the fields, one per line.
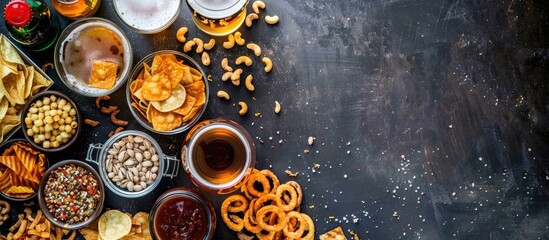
x=316 y=165
x=354 y=235
x=306 y=151
x=311 y=206
x=291 y=174
x=257 y=114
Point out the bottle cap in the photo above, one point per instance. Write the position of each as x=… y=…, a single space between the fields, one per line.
x=18 y=13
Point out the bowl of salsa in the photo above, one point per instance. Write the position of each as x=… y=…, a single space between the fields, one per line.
x=182 y=213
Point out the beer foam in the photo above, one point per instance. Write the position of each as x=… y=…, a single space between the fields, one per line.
x=147 y=16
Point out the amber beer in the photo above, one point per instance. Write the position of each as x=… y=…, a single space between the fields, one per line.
x=218 y=17
x=218 y=155
x=74 y=9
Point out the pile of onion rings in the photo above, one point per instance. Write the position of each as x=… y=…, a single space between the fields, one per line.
x=268 y=209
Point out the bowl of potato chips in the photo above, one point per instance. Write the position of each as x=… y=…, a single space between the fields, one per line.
x=21 y=170
x=167 y=92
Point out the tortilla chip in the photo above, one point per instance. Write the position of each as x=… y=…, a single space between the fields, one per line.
x=39 y=82
x=157 y=88
x=164 y=121
x=176 y=100
x=186 y=107
x=3 y=107
x=13 y=86
x=191 y=114
x=9 y=55
x=197 y=90
x=187 y=76
x=103 y=74
x=334 y=234
x=89 y=234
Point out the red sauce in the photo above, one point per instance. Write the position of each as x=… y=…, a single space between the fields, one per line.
x=180 y=218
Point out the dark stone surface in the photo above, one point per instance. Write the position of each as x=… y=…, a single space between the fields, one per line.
x=431 y=117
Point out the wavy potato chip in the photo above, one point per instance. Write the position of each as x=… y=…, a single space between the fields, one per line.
x=176 y=100
x=21 y=169
x=114 y=224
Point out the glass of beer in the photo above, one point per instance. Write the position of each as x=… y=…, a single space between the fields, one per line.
x=218 y=17
x=218 y=155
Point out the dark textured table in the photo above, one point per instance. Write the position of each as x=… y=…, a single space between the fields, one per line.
x=431 y=117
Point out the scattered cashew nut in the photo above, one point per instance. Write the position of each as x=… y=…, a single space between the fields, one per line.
x=91 y=122
x=250 y=18
x=180 y=35
x=223 y=94
x=236 y=75
x=208 y=46
x=268 y=64
x=118 y=122
x=226 y=76
x=243 y=108
x=238 y=38
x=225 y=65
x=254 y=47
x=249 y=84
x=244 y=59
x=257 y=5
x=205 y=59
x=199 y=45
x=230 y=43
x=277 y=107
x=188 y=46
x=271 y=19
x=101 y=98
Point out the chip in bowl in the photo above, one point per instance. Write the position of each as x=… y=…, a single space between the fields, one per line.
x=103 y=74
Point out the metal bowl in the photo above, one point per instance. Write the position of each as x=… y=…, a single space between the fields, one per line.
x=135 y=73
x=46 y=211
x=31 y=103
x=64 y=63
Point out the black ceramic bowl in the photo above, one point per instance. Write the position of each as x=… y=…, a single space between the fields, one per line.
x=5 y=146
x=42 y=201
x=32 y=102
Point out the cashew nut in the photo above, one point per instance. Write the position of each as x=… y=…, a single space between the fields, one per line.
x=199 y=45
x=243 y=108
x=277 y=107
x=254 y=47
x=238 y=38
x=226 y=76
x=257 y=5
x=208 y=46
x=118 y=122
x=180 y=35
x=225 y=65
x=268 y=64
x=223 y=94
x=188 y=46
x=235 y=77
x=244 y=59
x=205 y=58
x=250 y=18
x=230 y=43
x=271 y=19
x=249 y=84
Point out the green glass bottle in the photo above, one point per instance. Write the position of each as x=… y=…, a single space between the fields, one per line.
x=30 y=23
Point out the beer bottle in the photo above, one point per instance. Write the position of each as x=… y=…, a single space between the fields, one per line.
x=74 y=9
x=30 y=23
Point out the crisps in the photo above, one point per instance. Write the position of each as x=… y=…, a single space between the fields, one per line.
x=114 y=224
x=18 y=82
x=103 y=74
x=21 y=169
x=168 y=93
x=176 y=100
x=139 y=228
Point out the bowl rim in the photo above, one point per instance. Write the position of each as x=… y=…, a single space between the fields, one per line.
x=46 y=211
x=101 y=162
x=143 y=121
x=61 y=72
x=78 y=121
x=148 y=31
x=8 y=143
x=190 y=193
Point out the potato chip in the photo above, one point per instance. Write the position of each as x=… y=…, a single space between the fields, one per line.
x=21 y=169
x=89 y=234
x=191 y=114
x=114 y=224
x=187 y=76
x=3 y=107
x=197 y=90
x=174 y=70
x=176 y=100
x=103 y=74
x=157 y=88
x=14 y=190
x=187 y=106
x=164 y=121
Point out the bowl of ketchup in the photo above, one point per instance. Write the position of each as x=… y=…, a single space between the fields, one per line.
x=182 y=213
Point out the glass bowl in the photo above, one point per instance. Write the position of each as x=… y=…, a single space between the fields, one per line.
x=42 y=201
x=32 y=102
x=147 y=17
x=135 y=74
x=186 y=199
x=165 y=163
x=5 y=146
x=87 y=40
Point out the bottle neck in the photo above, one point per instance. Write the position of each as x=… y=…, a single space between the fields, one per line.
x=18 y=13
